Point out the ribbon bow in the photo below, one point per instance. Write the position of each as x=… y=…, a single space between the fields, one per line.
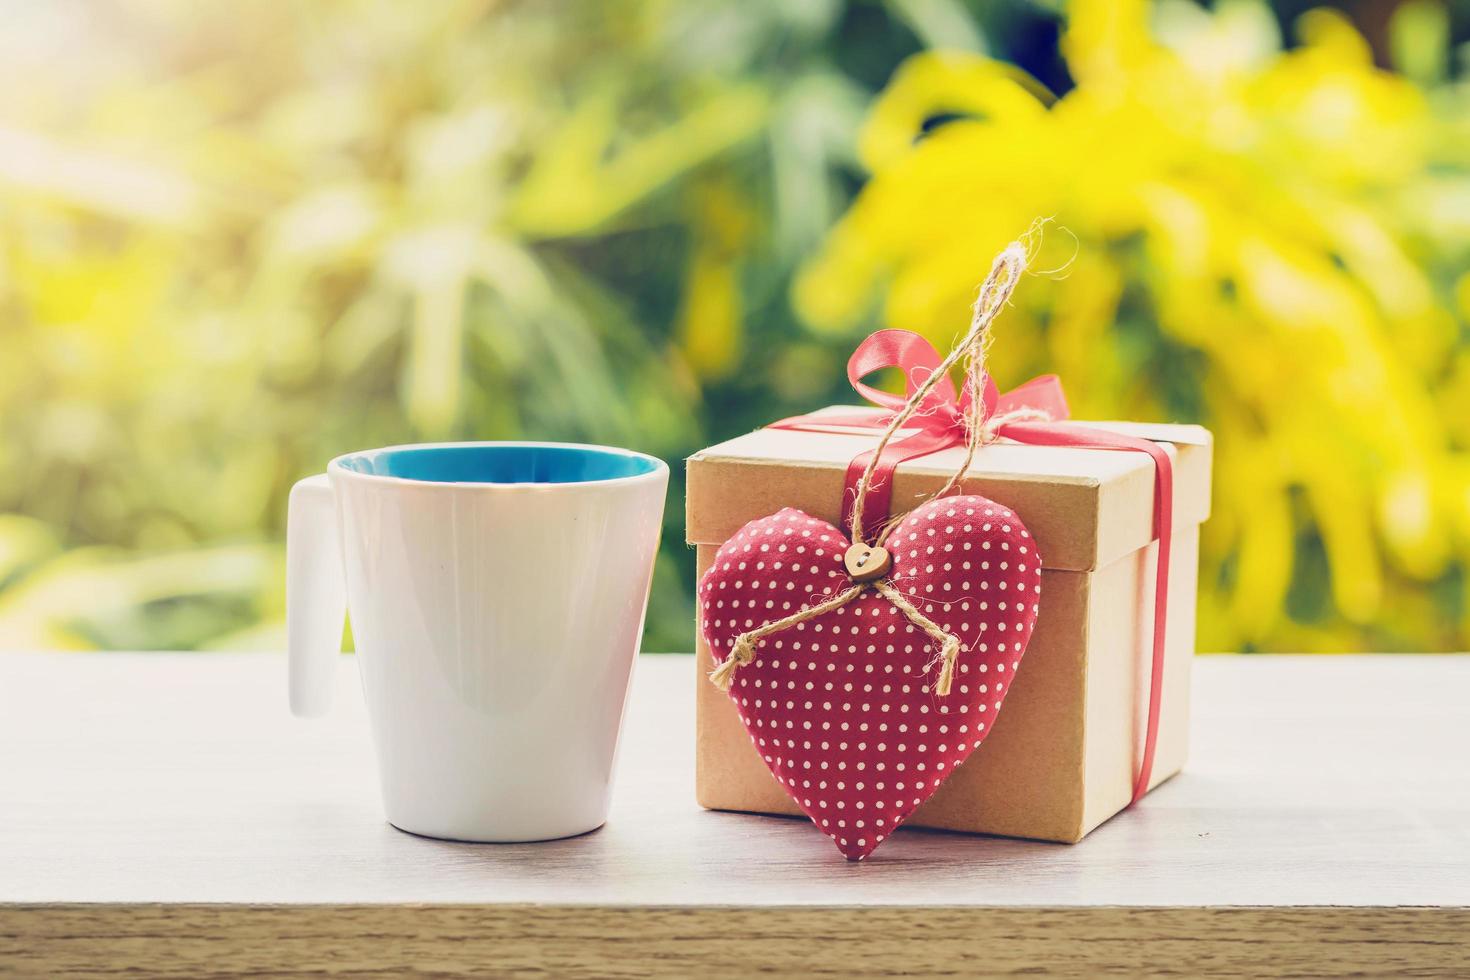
x=1034 y=413
x=941 y=420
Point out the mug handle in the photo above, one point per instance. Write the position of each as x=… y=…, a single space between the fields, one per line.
x=316 y=596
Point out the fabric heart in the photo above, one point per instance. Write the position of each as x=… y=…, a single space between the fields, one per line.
x=841 y=707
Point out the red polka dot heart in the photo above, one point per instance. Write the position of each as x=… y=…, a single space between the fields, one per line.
x=841 y=707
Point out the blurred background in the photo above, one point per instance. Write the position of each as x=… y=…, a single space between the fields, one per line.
x=237 y=239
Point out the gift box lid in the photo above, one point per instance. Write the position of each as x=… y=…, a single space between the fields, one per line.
x=1085 y=507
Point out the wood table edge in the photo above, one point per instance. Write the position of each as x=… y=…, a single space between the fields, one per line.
x=207 y=940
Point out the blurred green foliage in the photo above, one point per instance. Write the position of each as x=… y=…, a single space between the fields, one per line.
x=239 y=239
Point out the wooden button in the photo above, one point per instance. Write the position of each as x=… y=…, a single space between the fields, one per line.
x=865 y=562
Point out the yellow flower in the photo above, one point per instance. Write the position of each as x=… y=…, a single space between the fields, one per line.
x=1245 y=260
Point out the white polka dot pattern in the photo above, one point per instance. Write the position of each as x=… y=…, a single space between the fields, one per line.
x=840 y=707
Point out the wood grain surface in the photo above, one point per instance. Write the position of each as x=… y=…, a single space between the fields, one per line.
x=207 y=941
x=162 y=815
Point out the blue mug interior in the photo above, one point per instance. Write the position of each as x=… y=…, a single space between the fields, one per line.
x=499 y=463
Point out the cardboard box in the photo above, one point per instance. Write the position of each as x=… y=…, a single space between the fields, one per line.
x=1063 y=755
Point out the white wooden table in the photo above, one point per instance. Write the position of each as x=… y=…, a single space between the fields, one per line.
x=162 y=814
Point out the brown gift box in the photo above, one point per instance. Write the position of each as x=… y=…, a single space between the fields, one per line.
x=1064 y=752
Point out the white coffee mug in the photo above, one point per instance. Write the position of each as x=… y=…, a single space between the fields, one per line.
x=497 y=594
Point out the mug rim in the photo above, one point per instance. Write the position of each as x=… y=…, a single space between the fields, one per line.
x=337 y=468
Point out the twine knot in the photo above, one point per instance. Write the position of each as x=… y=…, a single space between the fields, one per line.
x=742 y=653
x=949 y=652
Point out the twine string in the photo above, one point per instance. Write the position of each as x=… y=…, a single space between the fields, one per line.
x=994 y=293
x=949 y=644
x=743 y=651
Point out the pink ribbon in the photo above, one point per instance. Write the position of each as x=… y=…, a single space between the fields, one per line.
x=941 y=423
